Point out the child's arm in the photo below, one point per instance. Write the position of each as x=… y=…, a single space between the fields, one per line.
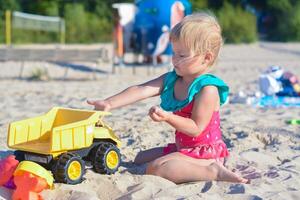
x=204 y=106
x=130 y=95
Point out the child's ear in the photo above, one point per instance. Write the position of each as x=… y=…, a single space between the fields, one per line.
x=208 y=58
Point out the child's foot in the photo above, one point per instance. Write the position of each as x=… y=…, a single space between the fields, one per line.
x=223 y=174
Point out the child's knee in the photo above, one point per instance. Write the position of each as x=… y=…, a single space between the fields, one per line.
x=153 y=167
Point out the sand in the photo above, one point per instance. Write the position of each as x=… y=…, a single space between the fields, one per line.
x=262 y=146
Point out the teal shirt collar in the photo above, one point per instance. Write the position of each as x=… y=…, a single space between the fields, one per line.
x=170 y=103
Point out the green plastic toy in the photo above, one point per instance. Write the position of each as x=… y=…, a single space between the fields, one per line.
x=294 y=121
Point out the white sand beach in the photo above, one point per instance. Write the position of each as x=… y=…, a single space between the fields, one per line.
x=262 y=146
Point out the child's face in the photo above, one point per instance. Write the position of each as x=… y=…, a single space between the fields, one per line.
x=186 y=62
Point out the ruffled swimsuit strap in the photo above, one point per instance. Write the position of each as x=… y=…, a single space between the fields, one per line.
x=170 y=103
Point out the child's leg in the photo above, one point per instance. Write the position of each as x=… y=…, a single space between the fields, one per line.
x=179 y=168
x=148 y=155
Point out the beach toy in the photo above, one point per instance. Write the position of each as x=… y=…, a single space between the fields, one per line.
x=30 y=179
x=7 y=168
x=61 y=139
x=294 y=121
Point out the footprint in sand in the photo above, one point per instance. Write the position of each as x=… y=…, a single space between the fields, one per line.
x=248 y=171
x=236 y=189
x=206 y=187
x=272 y=173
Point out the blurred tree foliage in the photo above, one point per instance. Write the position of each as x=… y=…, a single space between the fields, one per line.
x=278 y=20
x=241 y=20
x=87 y=21
x=91 y=21
x=238 y=25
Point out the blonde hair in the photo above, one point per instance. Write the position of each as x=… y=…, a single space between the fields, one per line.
x=199 y=32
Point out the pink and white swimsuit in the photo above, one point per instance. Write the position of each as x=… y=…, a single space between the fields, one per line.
x=207 y=145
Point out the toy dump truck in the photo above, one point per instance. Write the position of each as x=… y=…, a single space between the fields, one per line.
x=63 y=139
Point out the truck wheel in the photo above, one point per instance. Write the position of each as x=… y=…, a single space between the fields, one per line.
x=69 y=168
x=106 y=158
x=20 y=155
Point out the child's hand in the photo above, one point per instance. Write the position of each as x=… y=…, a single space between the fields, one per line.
x=158 y=115
x=100 y=105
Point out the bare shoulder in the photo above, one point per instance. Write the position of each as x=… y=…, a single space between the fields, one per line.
x=209 y=90
x=207 y=95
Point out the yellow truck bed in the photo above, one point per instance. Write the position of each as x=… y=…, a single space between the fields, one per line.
x=36 y=146
x=59 y=130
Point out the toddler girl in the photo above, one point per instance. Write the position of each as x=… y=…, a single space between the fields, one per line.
x=190 y=101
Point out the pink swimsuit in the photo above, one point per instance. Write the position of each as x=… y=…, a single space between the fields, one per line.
x=207 y=145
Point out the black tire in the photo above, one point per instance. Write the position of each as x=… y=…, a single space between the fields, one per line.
x=20 y=155
x=62 y=165
x=99 y=158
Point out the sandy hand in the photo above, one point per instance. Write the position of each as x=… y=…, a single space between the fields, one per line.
x=157 y=114
x=99 y=105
